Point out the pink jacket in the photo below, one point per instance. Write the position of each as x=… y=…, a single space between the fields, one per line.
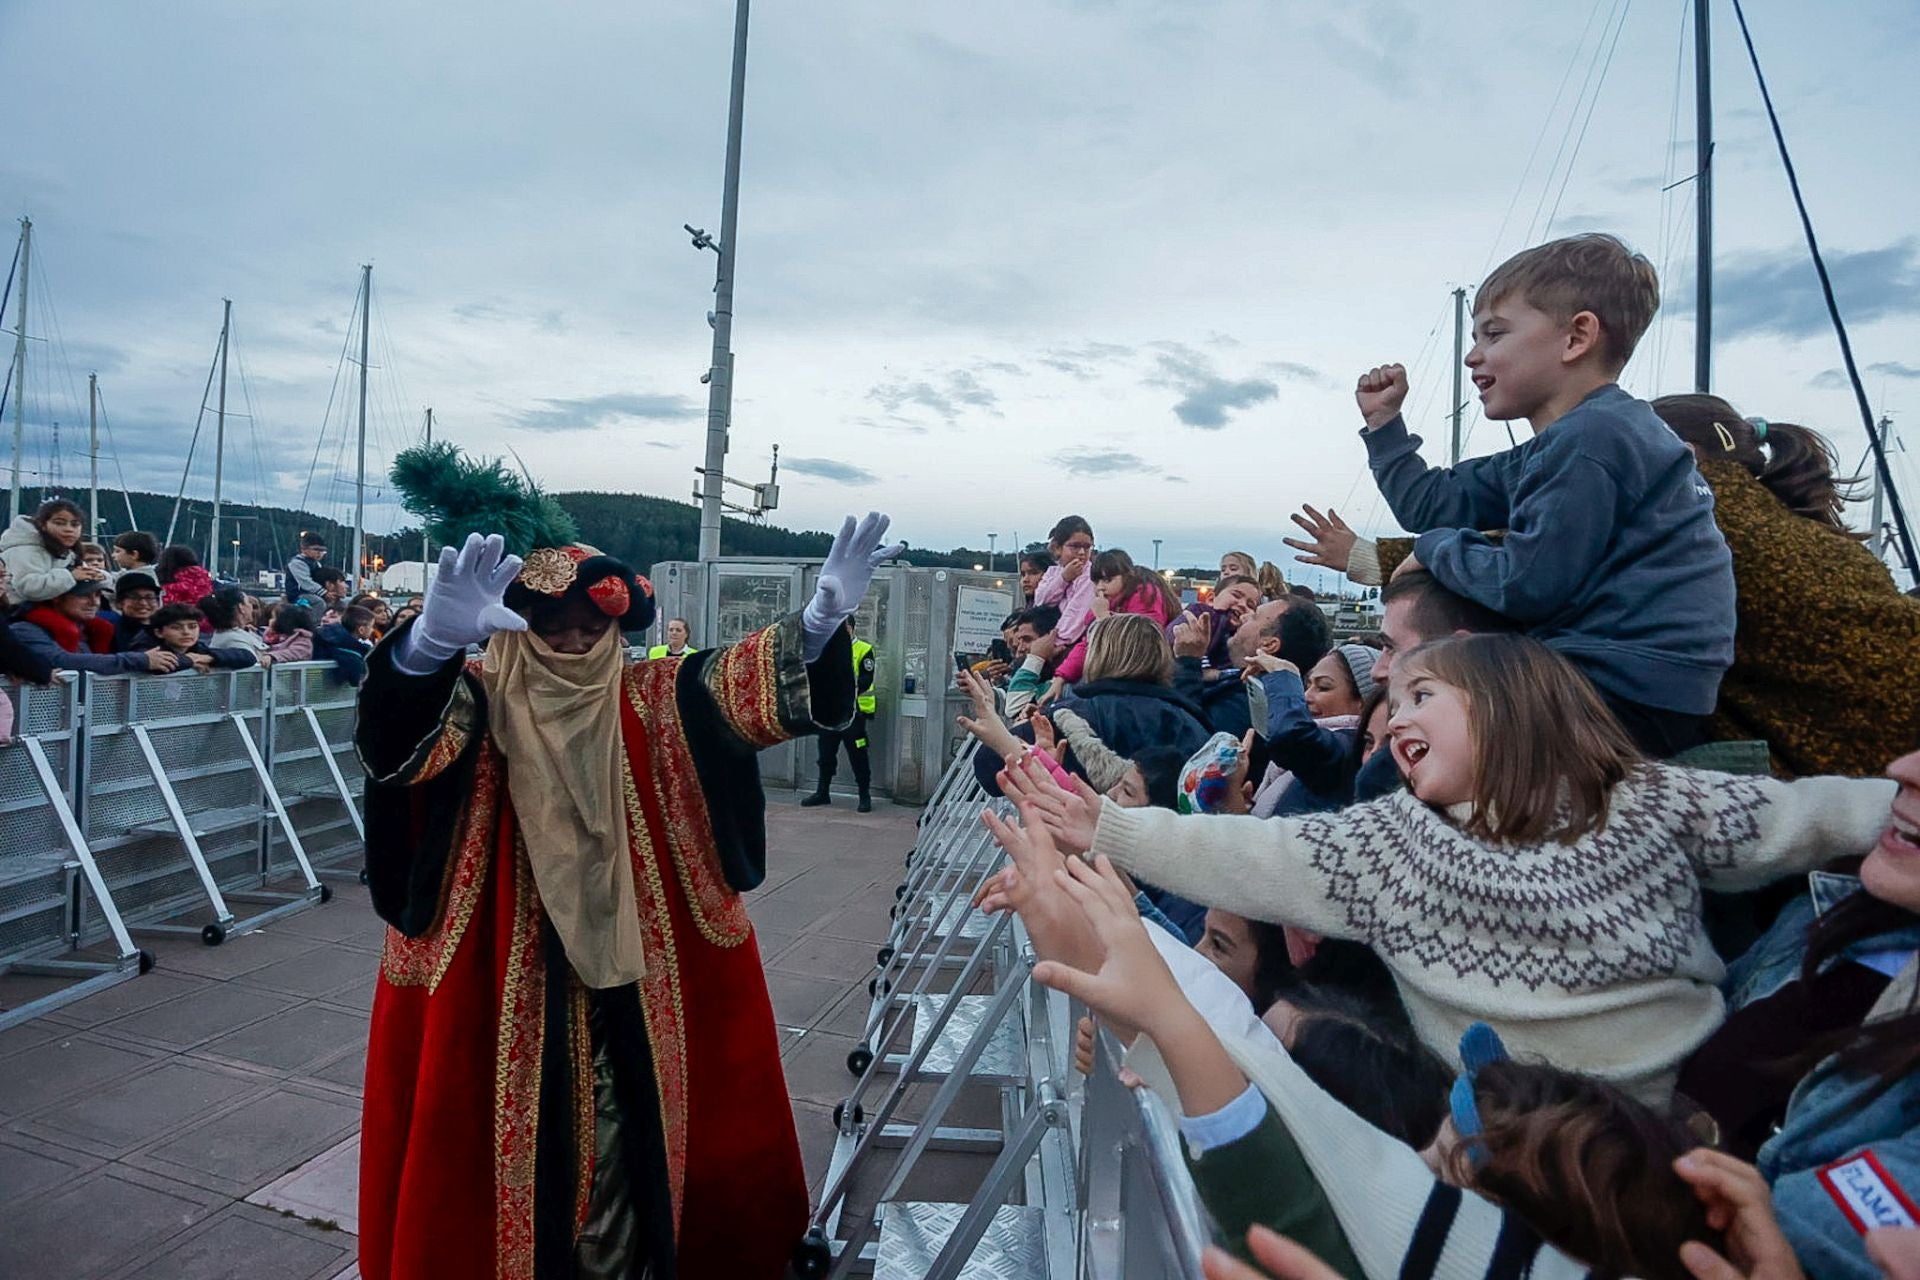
x=296 y=647
x=1074 y=599
x=1144 y=601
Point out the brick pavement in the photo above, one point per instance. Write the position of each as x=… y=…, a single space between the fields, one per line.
x=202 y=1121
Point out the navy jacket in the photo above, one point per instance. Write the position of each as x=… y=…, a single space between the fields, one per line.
x=1128 y=715
x=1323 y=761
x=222 y=658
x=348 y=654
x=1611 y=555
x=1223 y=703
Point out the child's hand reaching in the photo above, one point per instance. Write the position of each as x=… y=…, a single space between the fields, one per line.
x=1132 y=986
x=1380 y=393
x=1283 y=1259
x=1056 y=926
x=1332 y=541
x=1071 y=817
x=1045 y=736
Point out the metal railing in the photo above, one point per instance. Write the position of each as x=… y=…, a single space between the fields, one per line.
x=126 y=801
x=1102 y=1190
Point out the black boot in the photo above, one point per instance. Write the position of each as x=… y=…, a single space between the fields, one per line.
x=866 y=801
x=818 y=798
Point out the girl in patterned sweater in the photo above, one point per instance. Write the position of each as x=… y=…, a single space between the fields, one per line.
x=1538 y=874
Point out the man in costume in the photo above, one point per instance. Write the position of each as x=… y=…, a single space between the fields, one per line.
x=572 y=1068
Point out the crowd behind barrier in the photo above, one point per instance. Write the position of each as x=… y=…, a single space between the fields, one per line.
x=133 y=804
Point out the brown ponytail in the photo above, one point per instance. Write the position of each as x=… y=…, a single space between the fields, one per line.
x=1796 y=463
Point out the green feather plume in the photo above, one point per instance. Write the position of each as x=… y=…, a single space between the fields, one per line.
x=456 y=495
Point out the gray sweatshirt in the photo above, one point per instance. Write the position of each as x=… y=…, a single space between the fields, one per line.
x=1611 y=554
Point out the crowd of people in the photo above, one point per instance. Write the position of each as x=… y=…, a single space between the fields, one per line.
x=1569 y=923
x=136 y=607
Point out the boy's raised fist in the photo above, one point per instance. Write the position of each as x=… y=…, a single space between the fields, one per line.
x=1381 y=392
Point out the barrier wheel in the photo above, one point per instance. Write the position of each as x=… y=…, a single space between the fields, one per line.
x=893 y=912
x=858 y=1060
x=326 y=893
x=899 y=892
x=147 y=960
x=214 y=934
x=363 y=875
x=883 y=957
x=813 y=1256
x=840 y=1113
x=875 y=987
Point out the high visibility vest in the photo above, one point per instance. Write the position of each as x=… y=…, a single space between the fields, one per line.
x=863 y=677
x=660 y=651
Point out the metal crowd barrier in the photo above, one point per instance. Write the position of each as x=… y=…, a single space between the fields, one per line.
x=1087 y=1180
x=126 y=801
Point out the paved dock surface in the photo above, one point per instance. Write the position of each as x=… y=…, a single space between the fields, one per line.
x=202 y=1121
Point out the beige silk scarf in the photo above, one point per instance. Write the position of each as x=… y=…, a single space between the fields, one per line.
x=556 y=718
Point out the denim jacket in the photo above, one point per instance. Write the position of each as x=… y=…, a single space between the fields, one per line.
x=1835 y=1119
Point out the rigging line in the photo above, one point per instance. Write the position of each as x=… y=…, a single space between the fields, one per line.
x=118 y=470
x=327 y=414
x=6 y=294
x=1833 y=306
x=57 y=348
x=174 y=519
x=1662 y=317
x=1586 y=81
x=1546 y=122
x=1625 y=8
x=260 y=488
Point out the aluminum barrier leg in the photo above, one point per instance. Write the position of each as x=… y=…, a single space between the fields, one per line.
x=98 y=974
x=272 y=793
x=957 y=1076
x=339 y=779
x=224 y=923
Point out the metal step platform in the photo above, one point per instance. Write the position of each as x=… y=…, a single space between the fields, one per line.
x=1013 y=1246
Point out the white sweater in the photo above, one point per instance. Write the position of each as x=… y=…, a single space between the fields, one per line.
x=1590 y=955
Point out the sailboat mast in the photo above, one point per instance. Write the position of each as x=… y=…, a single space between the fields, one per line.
x=93 y=456
x=219 y=438
x=426 y=539
x=20 y=368
x=1877 y=526
x=1459 y=392
x=1703 y=197
x=360 y=479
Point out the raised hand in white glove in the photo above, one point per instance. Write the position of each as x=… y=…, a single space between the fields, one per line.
x=844 y=579
x=463 y=605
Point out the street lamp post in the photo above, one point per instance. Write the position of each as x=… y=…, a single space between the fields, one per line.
x=991 y=539
x=236 y=559
x=1156 y=555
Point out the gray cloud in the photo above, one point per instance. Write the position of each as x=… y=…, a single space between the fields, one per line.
x=1085 y=361
x=1779 y=293
x=1099 y=462
x=829 y=469
x=594 y=411
x=1836 y=379
x=1297 y=372
x=1207 y=397
x=947 y=394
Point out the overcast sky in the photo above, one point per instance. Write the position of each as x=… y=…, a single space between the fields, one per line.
x=997 y=261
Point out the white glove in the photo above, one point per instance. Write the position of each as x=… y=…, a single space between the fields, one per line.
x=463 y=605
x=844 y=579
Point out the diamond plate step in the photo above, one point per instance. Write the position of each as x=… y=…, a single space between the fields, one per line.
x=1013 y=1247
x=1003 y=1061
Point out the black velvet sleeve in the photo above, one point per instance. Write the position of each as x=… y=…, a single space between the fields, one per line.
x=418 y=738
x=810 y=697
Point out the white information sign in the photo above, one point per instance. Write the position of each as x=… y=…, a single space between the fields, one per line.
x=977 y=613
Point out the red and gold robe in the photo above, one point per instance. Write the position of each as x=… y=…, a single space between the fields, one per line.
x=477 y=1144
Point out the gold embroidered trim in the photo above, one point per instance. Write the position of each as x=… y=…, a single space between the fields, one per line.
x=516 y=1085
x=423 y=961
x=660 y=999
x=717 y=911
x=586 y=1105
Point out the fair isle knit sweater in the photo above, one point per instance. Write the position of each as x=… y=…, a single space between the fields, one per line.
x=1589 y=955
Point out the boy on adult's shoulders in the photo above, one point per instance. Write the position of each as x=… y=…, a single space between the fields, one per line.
x=1611 y=555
